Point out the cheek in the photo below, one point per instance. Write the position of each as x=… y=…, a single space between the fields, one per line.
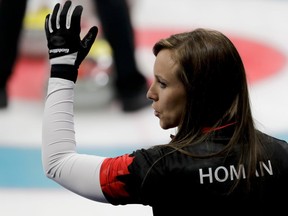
x=178 y=112
x=173 y=112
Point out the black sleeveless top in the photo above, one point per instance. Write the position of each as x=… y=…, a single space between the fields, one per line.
x=173 y=183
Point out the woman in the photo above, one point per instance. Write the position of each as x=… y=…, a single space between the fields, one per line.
x=217 y=160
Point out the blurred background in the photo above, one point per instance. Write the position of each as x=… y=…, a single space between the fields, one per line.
x=257 y=27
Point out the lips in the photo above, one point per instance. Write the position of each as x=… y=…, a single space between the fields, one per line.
x=157 y=114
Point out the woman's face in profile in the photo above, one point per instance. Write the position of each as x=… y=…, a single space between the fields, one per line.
x=167 y=91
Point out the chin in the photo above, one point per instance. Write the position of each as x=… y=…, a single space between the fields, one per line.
x=165 y=126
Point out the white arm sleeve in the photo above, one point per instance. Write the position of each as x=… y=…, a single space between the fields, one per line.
x=76 y=172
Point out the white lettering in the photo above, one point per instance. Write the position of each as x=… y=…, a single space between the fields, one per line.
x=264 y=167
x=222 y=174
x=225 y=172
x=62 y=50
x=238 y=174
x=206 y=175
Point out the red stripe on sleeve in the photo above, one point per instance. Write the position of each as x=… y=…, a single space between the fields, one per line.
x=112 y=168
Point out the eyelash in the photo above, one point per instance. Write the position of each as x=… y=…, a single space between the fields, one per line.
x=162 y=84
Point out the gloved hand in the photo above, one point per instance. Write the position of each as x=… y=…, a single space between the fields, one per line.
x=66 y=49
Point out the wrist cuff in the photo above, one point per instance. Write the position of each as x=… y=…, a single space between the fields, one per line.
x=68 y=72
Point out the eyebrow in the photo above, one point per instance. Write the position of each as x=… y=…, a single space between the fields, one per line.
x=159 y=77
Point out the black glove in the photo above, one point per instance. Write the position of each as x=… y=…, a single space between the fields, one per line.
x=66 y=49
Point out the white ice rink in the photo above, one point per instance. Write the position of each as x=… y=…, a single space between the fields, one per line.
x=264 y=21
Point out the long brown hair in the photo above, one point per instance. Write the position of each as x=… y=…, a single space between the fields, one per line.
x=213 y=74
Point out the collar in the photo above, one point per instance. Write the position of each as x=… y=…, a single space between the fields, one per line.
x=209 y=129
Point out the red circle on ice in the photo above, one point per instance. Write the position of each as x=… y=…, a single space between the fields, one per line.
x=260 y=60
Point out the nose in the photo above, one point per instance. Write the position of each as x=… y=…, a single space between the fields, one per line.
x=150 y=93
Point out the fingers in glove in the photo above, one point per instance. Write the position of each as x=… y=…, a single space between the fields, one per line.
x=54 y=16
x=63 y=15
x=76 y=19
x=89 y=38
x=47 y=27
x=86 y=44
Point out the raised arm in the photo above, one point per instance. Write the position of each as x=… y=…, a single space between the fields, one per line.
x=76 y=172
